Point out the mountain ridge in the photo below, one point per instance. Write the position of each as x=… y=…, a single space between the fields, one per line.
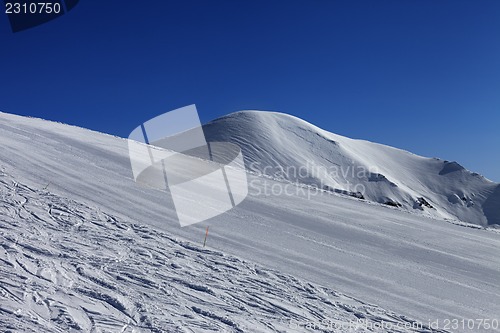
x=273 y=143
x=454 y=204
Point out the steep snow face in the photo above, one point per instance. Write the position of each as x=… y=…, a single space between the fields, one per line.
x=288 y=148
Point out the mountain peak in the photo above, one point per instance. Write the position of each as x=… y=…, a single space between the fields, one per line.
x=287 y=148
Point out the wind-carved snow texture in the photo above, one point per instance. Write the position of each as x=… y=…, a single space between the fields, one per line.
x=68 y=267
x=289 y=148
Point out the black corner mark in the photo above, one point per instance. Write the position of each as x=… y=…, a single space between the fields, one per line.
x=26 y=14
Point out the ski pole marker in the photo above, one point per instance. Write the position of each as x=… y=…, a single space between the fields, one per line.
x=206 y=235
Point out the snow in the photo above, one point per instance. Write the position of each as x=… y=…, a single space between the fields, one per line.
x=68 y=267
x=273 y=142
x=83 y=247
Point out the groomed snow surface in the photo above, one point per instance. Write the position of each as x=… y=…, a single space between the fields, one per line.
x=83 y=248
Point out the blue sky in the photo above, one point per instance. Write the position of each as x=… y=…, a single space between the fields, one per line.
x=419 y=75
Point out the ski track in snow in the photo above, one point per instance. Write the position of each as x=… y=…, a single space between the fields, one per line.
x=68 y=267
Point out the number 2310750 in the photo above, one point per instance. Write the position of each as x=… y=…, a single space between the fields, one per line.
x=32 y=8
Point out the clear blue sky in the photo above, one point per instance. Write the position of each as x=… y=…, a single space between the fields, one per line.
x=419 y=75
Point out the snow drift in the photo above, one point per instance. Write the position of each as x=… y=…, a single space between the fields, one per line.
x=288 y=148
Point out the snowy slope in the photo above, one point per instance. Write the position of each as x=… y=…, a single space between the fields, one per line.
x=411 y=265
x=286 y=147
x=68 y=267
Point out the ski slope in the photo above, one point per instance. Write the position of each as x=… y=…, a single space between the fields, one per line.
x=68 y=267
x=411 y=265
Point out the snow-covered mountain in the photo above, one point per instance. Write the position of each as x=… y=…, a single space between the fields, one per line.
x=84 y=248
x=289 y=148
